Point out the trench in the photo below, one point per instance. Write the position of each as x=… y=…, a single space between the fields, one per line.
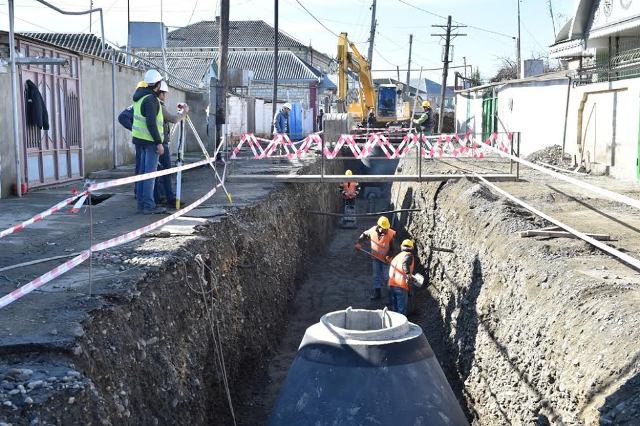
x=253 y=281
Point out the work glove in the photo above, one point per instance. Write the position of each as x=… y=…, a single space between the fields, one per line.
x=358 y=246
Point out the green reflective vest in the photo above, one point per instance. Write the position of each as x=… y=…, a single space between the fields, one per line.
x=139 y=129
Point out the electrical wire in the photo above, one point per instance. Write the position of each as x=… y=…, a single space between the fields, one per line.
x=457 y=22
x=194 y=11
x=383 y=58
x=316 y=19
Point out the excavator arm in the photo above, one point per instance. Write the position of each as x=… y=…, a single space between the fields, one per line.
x=350 y=59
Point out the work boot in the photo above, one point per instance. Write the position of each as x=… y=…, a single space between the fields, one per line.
x=157 y=210
x=377 y=295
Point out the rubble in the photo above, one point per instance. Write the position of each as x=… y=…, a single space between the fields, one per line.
x=551 y=155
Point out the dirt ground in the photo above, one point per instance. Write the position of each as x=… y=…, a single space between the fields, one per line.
x=337 y=279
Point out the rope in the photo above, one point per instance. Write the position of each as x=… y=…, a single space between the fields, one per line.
x=215 y=330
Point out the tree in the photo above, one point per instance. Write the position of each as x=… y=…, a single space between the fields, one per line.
x=508 y=70
x=475 y=79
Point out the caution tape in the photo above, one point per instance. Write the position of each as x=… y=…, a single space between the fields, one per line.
x=37 y=218
x=113 y=242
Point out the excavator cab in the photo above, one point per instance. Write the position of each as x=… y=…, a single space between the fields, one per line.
x=387 y=102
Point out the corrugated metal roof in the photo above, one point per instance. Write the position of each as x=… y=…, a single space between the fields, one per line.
x=241 y=34
x=191 y=66
x=89 y=44
x=290 y=67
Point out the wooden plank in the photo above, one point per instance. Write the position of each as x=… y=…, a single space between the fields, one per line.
x=502 y=177
x=560 y=234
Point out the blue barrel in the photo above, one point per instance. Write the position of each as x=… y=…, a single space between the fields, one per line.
x=295 y=122
x=363 y=367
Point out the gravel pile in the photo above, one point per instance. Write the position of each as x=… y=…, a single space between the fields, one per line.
x=551 y=155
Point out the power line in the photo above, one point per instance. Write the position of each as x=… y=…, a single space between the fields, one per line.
x=316 y=19
x=194 y=11
x=383 y=58
x=457 y=22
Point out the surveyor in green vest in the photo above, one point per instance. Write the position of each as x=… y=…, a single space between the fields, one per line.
x=147 y=132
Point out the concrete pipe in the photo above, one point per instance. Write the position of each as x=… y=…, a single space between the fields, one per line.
x=366 y=367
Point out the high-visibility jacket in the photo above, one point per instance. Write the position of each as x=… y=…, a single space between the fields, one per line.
x=139 y=129
x=397 y=277
x=380 y=245
x=350 y=190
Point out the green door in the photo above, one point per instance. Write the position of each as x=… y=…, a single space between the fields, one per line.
x=489 y=115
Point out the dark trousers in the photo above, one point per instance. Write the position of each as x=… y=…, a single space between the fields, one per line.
x=164 y=186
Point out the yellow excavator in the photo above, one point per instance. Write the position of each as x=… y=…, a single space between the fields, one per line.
x=385 y=101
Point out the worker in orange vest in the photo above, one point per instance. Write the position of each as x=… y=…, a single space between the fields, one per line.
x=400 y=276
x=381 y=237
x=349 y=190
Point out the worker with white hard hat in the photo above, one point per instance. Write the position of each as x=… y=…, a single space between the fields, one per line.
x=281 y=120
x=163 y=189
x=147 y=131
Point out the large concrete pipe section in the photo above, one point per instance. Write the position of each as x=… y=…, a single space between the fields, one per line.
x=363 y=367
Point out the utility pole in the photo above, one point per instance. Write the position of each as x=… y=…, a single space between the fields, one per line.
x=409 y=65
x=445 y=69
x=553 y=19
x=398 y=72
x=90 y=16
x=223 y=53
x=128 y=32
x=372 y=34
x=518 y=53
x=275 y=59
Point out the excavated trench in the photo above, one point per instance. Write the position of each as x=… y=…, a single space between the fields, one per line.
x=522 y=335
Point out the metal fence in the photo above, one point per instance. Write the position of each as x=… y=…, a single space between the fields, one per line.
x=618 y=62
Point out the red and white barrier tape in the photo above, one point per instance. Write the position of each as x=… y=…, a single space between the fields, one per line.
x=113 y=242
x=81 y=197
x=62 y=204
x=430 y=147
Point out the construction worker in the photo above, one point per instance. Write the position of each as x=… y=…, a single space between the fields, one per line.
x=147 y=131
x=381 y=238
x=400 y=275
x=349 y=190
x=281 y=120
x=425 y=122
x=163 y=183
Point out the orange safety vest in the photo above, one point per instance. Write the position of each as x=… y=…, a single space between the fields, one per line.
x=397 y=278
x=349 y=190
x=380 y=245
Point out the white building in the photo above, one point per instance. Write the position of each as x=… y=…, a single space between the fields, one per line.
x=593 y=109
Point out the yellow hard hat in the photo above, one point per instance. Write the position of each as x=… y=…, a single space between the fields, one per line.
x=384 y=223
x=407 y=243
x=426 y=104
x=141 y=84
x=348 y=173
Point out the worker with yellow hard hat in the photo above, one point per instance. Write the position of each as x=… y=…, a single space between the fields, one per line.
x=425 y=122
x=349 y=190
x=400 y=275
x=381 y=237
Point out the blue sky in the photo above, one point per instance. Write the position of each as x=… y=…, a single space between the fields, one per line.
x=395 y=22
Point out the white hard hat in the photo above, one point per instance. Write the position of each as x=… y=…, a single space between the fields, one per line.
x=287 y=105
x=163 y=86
x=152 y=76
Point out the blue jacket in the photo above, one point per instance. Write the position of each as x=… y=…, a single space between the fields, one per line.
x=281 y=122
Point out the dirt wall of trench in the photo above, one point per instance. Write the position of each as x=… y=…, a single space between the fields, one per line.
x=148 y=357
x=525 y=330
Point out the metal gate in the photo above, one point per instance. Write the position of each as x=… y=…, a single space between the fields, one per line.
x=54 y=155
